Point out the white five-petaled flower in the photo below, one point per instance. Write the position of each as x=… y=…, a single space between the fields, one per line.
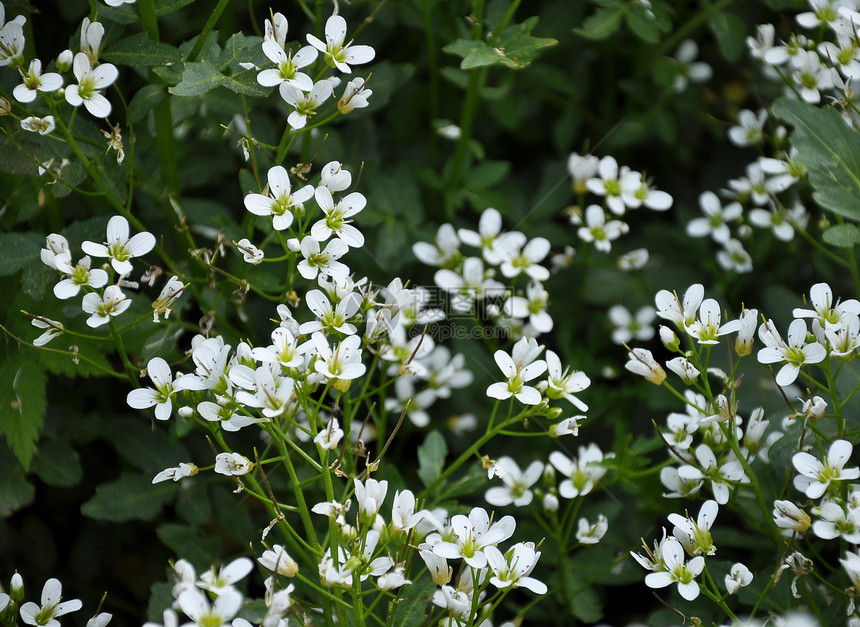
x=103 y=308
x=795 y=353
x=642 y=362
x=330 y=437
x=627 y=326
x=250 y=253
x=707 y=329
x=51 y=608
x=518 y=483
x=336 y=53
x=355 y=96
x=598 y=230
x=688 y=69
x=223 y=580
x=677 y=570
x=815 y=477
x=370 y=496
x=35 y=81
x=680 y=311
x=323 y=261
x=42 y=126
x=90 y=81
x=581 y=474
x=278 y=561
x=165 y=387
x=341 y=363
x=119 y=247
x=337 y=217
x=279 y=202
x=519 y=367
x=169 y=293
x=305 y=104
x=695 y=535
x=473 y=533
x=714 y=222
x=586 y=533
x=288 y=66
x=563 y=383
x=77 y=276
x=194 y=603
x=512 y=569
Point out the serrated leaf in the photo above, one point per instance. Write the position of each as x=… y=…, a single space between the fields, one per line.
x=131 y=497
x=431 y=457
x=842 y=236
x=730 y=31
x=140 y=50
x=144 y=101
x=22 y=404
x=58 y=464
x=190 y=543
x=604 y=22
x=516 y=48
x=19 y=250
x=414 y=602
x=198 y=78
x=15 y=491
x=829 y=149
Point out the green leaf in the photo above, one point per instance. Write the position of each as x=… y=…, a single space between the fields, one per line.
x=150 y=451
x=245 y=83
x=516 y=48
x=164 y=7
x=431 y=457
x=19 y=250
x=603 y=23
x=486 y=174
x=199 y=548
x=829 y=149
x=642 y=21
x=15 y=491
x=414 y=602
x=131 y=497
x=140 y=50
x=22 y=403
x=198 y=78
x=145 y=101
x=729 y=29
x=842 y=236
x=57 y=464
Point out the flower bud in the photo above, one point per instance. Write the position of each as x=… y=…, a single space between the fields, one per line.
x=17 y=588
x=550 y=502
x=642 y=362
x=787 y=515
x=65 y=61
x=815 y=407
x=669 y=338
x=5 y=106
x=185 y=412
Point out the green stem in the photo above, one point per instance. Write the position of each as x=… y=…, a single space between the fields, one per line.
x=207 y=28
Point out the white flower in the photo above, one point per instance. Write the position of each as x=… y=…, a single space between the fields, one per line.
x=102 y=309
x=119 y=247
x=222 y=581
x=513 y=568
x=334 y=177
x=279 y=561
x=42 y=126
x=825 y=311
x=607 y=183
x=403 y=514
x=231 y=464
x=52 y=329
x=586 y=533
x=195 y=604
x=369 y=496
x=325 y=261
x=271 y=394
x=734 y=257
x=443 y=252
x=288 y=65
x=35 y=81
x=739 y=576
x=519 y=368
x=835 y=522
x=337 y=217
x=532 y=306
x=330 y=437
x=279 y=202
x=55 y=245
x=627 y=327
x=695 y=536
x=677 y=571
x=714 y=221
x=750 y=129
x=12 y=42
x=682 y=313
x=165 y=387
x=684 y=369
x=581 y=474
x=517 y=260
x=250 y=253
x=689 y=71
x=472 y=535
x=336 y=53
x=51 y=607
x=789 y=516
x=707 y=329
x=77 y=276
x=815 y=476
x=354 y=96
x=810 y=76
x=598 y=230
x=305 y=105
x=341 y=363
x=517 y=486
x=796 y=353
x=90 y=81
x=169 y=293
x=635 y=192
x=176 y=473
x=563 y=383
x=642 y=362
x=581 y=168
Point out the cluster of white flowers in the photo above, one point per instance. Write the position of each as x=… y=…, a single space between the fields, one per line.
x=297 y=89
x=50 y=607
x=621 y=189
